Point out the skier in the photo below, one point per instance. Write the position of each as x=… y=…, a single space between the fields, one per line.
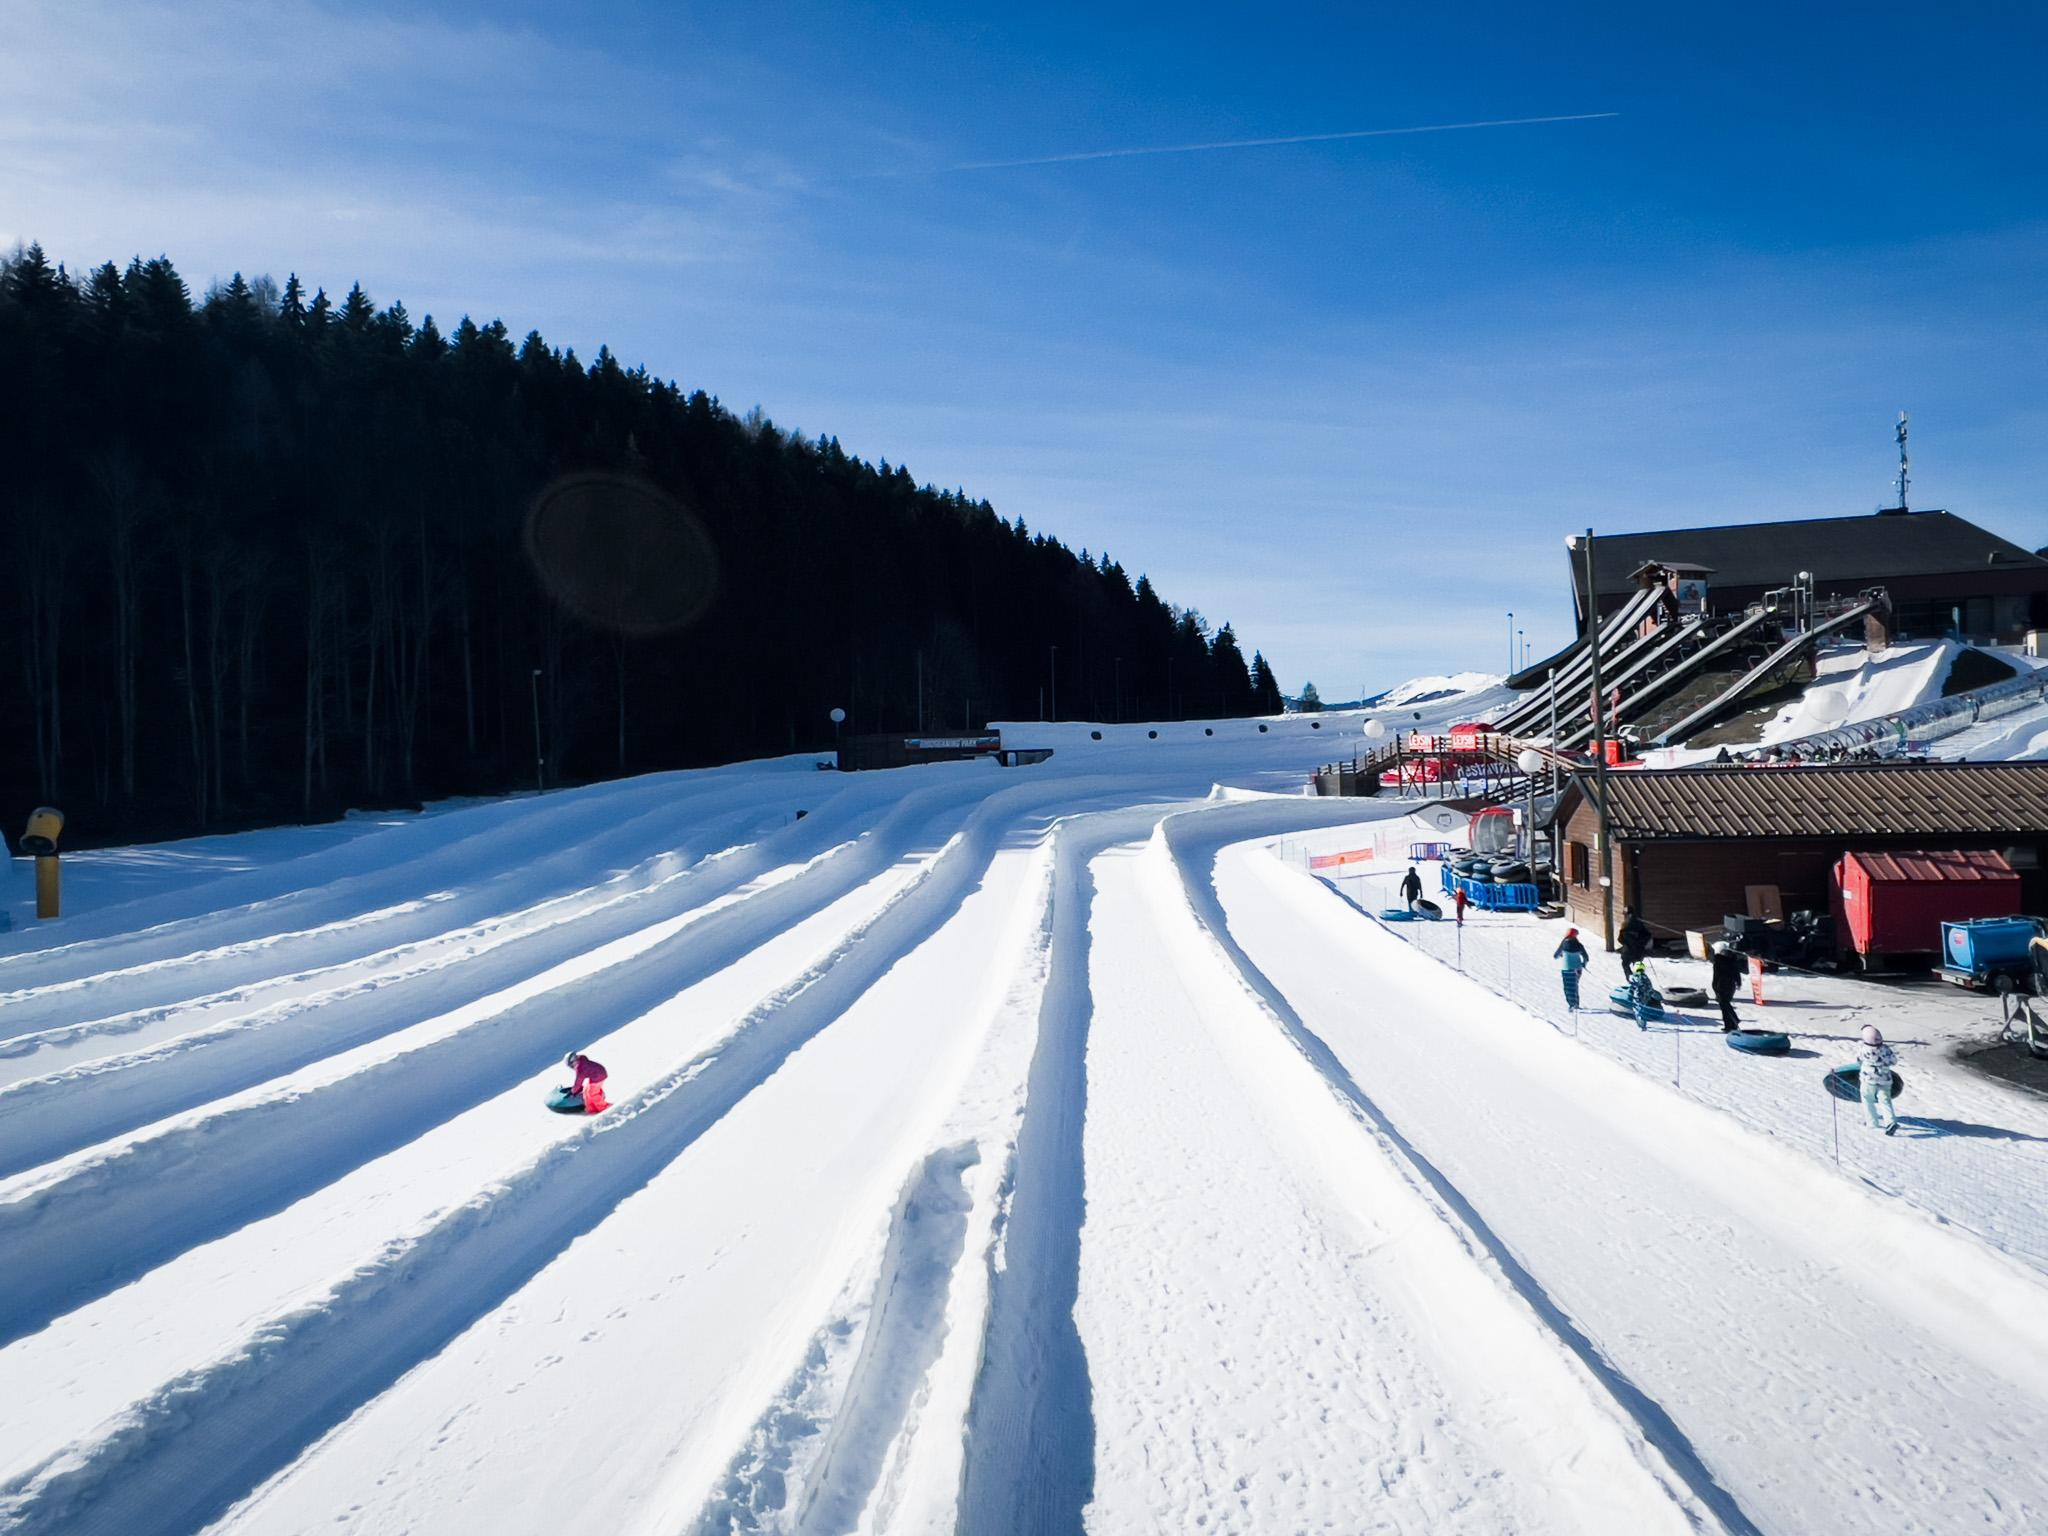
x=1571 y=958
x=1633 y=941
x=1639 y=992
x=1874 y=1063
x=1728 y=969
x=1411 y=888
x=1458 y=900
x=590 y=1076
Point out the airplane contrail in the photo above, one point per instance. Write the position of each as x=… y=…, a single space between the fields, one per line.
x=1294 y=138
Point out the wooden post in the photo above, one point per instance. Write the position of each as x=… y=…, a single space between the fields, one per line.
x=47 y=895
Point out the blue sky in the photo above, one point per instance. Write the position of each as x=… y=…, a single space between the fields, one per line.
x=1346 y=395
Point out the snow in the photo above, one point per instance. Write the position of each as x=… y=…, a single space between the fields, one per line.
x=992 y=1150
x=1435 y=689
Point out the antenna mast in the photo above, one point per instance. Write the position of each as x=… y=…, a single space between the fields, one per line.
x=1904 y=478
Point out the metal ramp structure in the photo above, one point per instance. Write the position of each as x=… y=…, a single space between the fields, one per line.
x=1802 y=643
x=1654 y=669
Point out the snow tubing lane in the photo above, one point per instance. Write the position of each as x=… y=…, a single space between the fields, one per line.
x=1846 y=1083
x=1760 y=1042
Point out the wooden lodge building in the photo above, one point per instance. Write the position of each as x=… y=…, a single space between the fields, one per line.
x=1942 y=572
x=1689 y=841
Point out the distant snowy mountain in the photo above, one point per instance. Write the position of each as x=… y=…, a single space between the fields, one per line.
x=1426 y=690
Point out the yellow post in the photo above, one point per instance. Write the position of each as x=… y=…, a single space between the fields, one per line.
x=45 y=826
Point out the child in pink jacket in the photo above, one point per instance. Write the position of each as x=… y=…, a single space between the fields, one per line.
x=590 y=1076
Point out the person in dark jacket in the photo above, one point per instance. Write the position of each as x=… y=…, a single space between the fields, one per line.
x=1728 y=969
x=1411 y=888
x=1633 y=941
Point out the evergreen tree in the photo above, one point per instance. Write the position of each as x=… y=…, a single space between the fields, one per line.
x=1311 y=702
x=1266 y=697
x=273 y=562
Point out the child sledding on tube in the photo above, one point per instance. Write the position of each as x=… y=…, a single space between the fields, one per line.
x=590 y=1076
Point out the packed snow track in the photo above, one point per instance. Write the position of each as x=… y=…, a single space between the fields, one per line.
x=1002 y=1151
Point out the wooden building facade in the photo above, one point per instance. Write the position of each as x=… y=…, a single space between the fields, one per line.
x=1688 y=842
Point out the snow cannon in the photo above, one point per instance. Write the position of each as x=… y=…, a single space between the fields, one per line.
x=45 y=826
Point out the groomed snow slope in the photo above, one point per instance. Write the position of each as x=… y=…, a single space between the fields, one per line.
x=993 y=1150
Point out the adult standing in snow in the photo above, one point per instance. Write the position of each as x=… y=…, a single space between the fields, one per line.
x=1458 y=900
x=1411 y=888
x=1874 y=1063
x=1728 y=969
x=1633 y=941
x=1571 y=958
x=590 y=1076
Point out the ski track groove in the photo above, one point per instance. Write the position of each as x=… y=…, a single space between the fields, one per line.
x=1195 y=862
x=121 y=1213
x=303 y=895
x=46 y=1013
x=42 y=1119
x=189 y=1451
x=1030 y=1462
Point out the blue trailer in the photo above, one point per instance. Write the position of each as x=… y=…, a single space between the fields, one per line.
x=1989 y=952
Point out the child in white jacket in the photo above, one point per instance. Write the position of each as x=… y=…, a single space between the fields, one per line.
x=1874 y=1071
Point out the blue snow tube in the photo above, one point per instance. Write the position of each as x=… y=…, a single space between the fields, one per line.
x=566 y=1101
x=1620 y=998
x=1760 y=1042
x=1396 y=915
x=1847 y=1082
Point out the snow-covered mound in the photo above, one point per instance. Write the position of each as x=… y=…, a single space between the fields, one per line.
x=991 y=1149
x=1854 y=685
x=1429 y=690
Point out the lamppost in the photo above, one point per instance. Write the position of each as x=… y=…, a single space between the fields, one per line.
x=1530 y=761
x=1584 y=545
x=838 y=719
x=1511 y=641
x=540 y=764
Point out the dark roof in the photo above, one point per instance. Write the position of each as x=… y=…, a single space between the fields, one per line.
x=1838 y=550
x=1966 y=865
x=1675 y=567
x=1860 y=800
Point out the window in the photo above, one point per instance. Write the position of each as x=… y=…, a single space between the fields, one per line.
x=1579 y=859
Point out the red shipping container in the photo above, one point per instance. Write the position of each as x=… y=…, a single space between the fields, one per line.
x=1895 y=903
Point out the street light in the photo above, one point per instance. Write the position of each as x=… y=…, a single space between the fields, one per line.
x=838 y=719
x=1530 y=761
x=1584 y=545
x=1511 y=641
x=540 y=764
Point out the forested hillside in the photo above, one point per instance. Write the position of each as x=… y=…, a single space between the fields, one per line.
x=272 y=557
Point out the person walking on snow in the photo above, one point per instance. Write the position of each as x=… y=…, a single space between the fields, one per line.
x=1633 y=941
x=1411 y=888
x=1874 y=1063
x=590 y=1076
x=1640 y=993
x=1572 y=959
x=1458 y=900
x=1728 y=968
